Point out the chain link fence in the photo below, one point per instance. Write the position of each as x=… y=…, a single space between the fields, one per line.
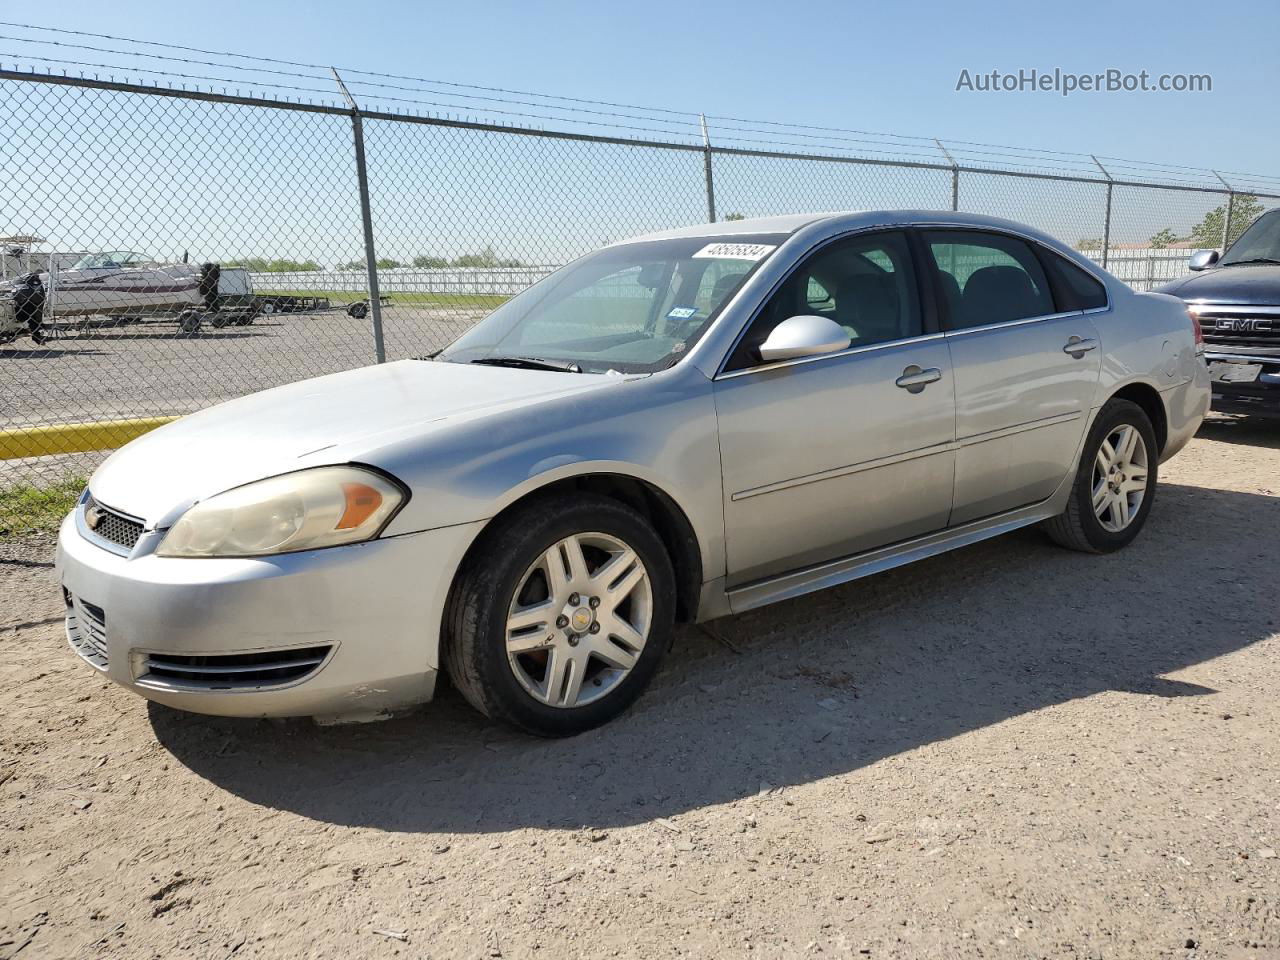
x=191 y=247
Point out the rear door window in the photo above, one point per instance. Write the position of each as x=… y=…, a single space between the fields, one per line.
x=988 y=278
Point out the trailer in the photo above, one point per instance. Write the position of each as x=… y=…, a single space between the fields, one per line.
x=290 y=303
x=282 y=303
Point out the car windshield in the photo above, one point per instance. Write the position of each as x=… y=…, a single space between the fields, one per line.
x=116 y=258
x=1260 y=242
x=633 y=308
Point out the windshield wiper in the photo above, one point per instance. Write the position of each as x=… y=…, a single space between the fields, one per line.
x=1236 y=263
x=531 y=363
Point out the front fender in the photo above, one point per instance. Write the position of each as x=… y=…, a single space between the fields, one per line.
x=660 y=430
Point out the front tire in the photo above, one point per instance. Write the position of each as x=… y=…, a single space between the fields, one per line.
x=1115 y=482
x=559 y=618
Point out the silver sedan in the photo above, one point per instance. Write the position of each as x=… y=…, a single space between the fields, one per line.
x=674 y=428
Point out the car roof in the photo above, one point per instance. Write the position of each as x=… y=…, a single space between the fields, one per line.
x=791 y=223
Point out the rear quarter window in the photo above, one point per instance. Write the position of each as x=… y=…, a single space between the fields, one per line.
x=1076 y=288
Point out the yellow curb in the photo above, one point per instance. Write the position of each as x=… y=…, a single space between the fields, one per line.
x=74 y=437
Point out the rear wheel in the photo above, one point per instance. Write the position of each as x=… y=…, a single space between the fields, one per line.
x=1115 y=482
x=560 y=617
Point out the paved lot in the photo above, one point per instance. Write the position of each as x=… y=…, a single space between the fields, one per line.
x=1010 y=751
x=113 y=371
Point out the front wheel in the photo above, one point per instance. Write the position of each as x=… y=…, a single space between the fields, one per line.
x=560 y=617
x=1115 y=483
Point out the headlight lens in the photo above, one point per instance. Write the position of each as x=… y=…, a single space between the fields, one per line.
x=323 y=507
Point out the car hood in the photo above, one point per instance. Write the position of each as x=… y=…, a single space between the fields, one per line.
x=339 y=418
x=1254 y=284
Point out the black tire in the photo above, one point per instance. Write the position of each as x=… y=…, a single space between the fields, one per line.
x=358 y=310
x=1078 y=526
x=473 y=645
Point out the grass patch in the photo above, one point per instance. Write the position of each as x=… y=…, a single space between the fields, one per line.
x=28 y=509
x=459 y=301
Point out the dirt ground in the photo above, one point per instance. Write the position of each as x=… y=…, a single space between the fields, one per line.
x=1010 y=751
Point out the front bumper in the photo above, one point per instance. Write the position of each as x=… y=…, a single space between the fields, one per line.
x=359 y=624
x=1259 y=396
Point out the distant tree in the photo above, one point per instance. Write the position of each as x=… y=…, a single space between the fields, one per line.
x=430 y=263
x=352 y=265
x=1208 y=232
x=1087 y=244
x=484 y=258
x=385 y=263
x=263 y=265
x=734 y=216
x=1163 y=239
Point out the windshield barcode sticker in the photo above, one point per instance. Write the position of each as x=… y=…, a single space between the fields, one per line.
x=736 y=251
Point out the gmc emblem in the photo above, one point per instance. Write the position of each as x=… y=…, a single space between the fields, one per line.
x=1240 y=325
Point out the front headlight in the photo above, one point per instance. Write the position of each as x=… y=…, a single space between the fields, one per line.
x=322 y=507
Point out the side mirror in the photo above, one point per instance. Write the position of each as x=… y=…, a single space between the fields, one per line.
x=803 y=336
x=1202 y=259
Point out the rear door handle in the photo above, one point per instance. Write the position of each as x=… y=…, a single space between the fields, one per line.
x=915 y=378
x=1079 y=346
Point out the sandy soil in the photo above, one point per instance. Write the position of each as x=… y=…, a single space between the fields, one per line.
x=1010 y=751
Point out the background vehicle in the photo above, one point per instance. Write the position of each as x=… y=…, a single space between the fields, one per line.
x=1237 y=301
x=684 y=426
x=129 y=287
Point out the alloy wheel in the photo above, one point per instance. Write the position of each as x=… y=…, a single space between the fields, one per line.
x=579 y=620
x=1119 y=477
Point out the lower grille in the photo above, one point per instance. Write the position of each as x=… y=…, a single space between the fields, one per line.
x=87 y=631
x=236 y=671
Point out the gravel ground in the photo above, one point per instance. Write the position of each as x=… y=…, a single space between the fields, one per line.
x=1010 y=751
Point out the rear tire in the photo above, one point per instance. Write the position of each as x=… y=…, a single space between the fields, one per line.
x=557 y=651
x=1115 y=482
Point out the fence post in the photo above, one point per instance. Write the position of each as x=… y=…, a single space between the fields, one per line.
x=706 y=163
x=370 y=257
x=955 y=175
x=1106 y=222
x=1231 y=203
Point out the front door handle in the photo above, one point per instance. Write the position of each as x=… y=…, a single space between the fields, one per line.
x=915 y=378
x=1079 y=346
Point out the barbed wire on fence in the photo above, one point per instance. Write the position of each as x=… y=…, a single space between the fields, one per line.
x=498 y=104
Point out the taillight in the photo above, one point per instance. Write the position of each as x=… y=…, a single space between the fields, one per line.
x=1195 y=330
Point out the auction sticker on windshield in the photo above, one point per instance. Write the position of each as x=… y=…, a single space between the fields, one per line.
x=736 y=251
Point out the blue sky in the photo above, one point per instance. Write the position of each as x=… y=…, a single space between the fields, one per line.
x=873 y=66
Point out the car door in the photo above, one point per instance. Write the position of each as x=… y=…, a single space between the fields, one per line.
x=828 y=456
x=1025 y=371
